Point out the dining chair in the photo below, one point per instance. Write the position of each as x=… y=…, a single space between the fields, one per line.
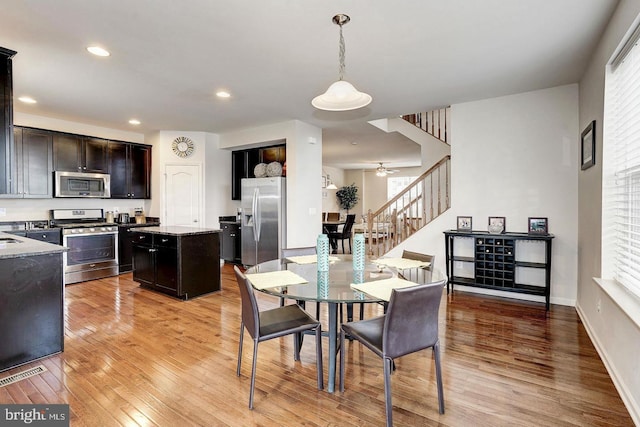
x=344 y=234
x=278 y=322
x=305 y=250
x=410 y=325
x=418 y=257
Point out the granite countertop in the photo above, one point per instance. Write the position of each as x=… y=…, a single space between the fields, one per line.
x=19 y=247
x=175 y=230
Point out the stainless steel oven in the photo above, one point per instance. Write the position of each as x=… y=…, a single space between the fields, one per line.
x=92 y=243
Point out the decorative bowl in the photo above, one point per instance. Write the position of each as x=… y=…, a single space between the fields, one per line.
x=496 y=228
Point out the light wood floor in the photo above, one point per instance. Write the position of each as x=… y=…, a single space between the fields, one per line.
x=134 y=357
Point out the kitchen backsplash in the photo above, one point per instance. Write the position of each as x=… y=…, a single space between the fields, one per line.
x=36 y=209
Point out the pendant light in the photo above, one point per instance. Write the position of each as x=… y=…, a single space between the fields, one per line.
x=341 y=95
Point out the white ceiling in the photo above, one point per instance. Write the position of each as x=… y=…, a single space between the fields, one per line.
x=170 y=57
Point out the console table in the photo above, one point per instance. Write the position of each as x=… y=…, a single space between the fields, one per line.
x=495 y=264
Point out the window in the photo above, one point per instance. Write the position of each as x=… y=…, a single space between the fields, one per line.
x=621 y=169
x=395 y=184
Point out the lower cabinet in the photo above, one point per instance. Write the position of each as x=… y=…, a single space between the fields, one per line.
x=231 y=242
x=180 y=265
x=126 y=236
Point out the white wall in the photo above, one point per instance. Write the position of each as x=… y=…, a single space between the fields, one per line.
x=515 y=156
x=615 y=335
x=329 y=199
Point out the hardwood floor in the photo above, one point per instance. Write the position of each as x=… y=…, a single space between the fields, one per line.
x=135 y=357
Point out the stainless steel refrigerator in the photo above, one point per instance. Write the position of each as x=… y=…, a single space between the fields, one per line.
x=264 y=222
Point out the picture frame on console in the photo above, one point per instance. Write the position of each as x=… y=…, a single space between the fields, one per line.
x=588 y=146
x=538 y=226
x=464 y=223
x=497 y=224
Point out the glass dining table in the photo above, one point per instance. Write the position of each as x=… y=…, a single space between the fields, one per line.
x=332 y=287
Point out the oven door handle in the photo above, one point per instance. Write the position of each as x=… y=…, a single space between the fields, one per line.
x=100 y=233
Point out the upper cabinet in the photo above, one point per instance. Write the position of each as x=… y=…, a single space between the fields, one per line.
x=130 y=169
x=75 y=153
x=6 y=119
x=243 y=163
x=34 y=169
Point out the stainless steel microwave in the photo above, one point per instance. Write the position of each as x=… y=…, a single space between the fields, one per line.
x=78 y=184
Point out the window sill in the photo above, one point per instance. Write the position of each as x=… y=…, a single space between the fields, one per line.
x=628 y=302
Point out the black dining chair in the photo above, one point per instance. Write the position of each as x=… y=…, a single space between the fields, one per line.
x=344 y=234
x=278 y=322
x=410 y=325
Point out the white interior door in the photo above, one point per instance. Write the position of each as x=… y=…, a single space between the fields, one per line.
x=183 y=195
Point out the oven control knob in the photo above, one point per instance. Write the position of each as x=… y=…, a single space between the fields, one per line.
x=92 y=229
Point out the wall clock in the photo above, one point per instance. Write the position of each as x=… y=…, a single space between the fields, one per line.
x=182 y=146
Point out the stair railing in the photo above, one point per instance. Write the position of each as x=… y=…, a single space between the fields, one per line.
x=435 y=123
x=426 y=198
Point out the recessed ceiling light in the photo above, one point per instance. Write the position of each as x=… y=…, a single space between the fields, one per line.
x=27 y=100
x=98 y=51
x=354 y=142
x=223 y=94
x=134 y=121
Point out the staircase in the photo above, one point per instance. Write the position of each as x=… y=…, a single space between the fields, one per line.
x=436 y=122
x=421 y=202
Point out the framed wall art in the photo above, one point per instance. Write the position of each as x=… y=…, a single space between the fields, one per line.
x=497 y=224
x=538 y=225
x=464 y=223
x=588 y=146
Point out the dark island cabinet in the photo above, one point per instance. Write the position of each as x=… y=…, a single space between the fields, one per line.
x=75 y=153
x=182 y=265
x=130 y=169
x=511 y=262
x=126 y=237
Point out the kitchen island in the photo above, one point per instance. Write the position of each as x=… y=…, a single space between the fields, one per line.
x=31 y=300
x=183 y=262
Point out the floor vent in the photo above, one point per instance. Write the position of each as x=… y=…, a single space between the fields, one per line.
x=22 y=375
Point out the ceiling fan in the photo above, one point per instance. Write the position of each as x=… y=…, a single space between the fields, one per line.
x=382 y=171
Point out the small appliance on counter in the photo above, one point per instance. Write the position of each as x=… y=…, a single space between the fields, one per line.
x=109 y=217
x=123 y=218
x=140 y=218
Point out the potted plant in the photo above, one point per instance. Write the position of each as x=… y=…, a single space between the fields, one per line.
x=347 y=196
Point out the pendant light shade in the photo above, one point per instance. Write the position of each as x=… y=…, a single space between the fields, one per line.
x=341 y=95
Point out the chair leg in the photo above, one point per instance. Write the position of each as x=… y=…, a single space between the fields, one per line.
x=296 y=346
x=320 y=372
x=281 y=302
x=317 y=311
x=342 y=356
x=253 y=372
x=387 y=390
x=240 y=348
x=343 y=247
x=436 y=353
x=361 y=311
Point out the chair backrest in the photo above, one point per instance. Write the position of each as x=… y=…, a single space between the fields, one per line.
x=348 y=225
x=250 y=313
x=419 y=257
x=307 y=250
x=411 y=322
x=333 y=216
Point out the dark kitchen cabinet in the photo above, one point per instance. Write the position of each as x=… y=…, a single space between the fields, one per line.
x=231 y=242
x=243 y=163
x=49 y=235
x=32 y=175
x=130 y=169
x=126 y=236
x=182 y=265
x=6 y=119
x=75 y=153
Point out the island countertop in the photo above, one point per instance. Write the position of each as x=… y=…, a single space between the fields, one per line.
x=175 y=230
x=12 y=246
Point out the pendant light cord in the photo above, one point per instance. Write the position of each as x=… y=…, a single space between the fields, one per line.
x=341 y=54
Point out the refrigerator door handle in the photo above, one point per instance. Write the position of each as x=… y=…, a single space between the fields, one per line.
x=257 y=217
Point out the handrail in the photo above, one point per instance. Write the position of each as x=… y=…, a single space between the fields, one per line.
x=413 y=208
x=434 y=122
